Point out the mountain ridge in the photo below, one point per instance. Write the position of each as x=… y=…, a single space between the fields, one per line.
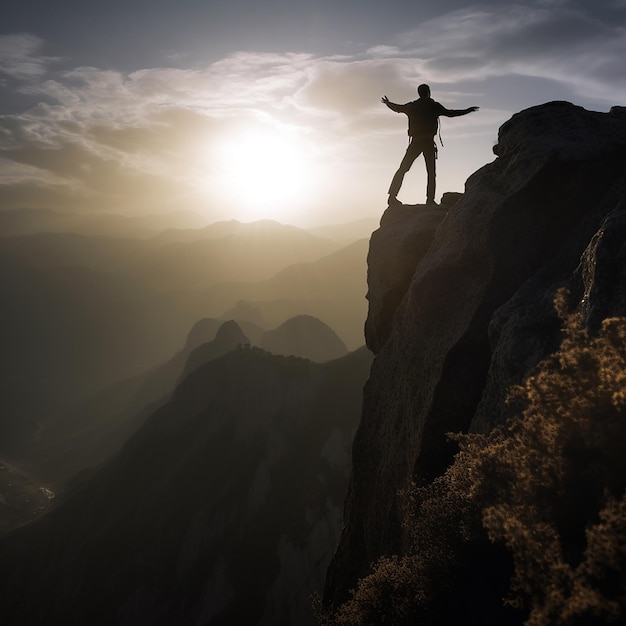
x=223 y=508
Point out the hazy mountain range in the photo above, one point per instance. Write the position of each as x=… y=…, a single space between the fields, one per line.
x=83 y=312
x=107 y=324
x=223 y=508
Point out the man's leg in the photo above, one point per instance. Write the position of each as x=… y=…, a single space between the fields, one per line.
x=430 y=152
x=412 y=152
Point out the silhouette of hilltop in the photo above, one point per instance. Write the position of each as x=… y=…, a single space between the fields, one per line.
x=307 y=337
x=224 y=507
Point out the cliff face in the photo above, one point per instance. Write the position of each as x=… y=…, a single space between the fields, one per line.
x=461 y=310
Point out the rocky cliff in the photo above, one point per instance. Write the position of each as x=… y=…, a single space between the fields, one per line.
x=461 y=306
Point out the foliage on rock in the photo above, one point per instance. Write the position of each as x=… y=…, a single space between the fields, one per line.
x=549 y=487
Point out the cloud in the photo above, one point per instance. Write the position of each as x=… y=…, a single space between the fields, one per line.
x=101 y=138
x=348 y=87
x=383 y=51
x=20 y=56
x=554 y=42
x=101 y=135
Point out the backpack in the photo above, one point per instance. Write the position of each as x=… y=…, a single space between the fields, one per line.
x=423 y=117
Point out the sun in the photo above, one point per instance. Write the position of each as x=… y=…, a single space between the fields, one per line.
x=264 y=172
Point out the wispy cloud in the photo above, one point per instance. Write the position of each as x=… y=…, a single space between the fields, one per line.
x=20 y=56
x=147 y=134
x=553 y=42
x=102 y=137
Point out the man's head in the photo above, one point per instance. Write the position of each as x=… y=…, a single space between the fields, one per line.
x=423 y=91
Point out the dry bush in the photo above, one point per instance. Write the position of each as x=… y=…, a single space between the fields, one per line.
x=552 y=483
x=549 y=487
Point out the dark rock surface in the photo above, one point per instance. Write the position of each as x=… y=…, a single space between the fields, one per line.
x=404 y=237
x=476 y=314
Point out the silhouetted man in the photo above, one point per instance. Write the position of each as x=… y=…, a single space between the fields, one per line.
x=423 y=117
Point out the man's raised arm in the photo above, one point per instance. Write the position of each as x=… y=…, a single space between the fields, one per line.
x=398 y=108
x=458 y=112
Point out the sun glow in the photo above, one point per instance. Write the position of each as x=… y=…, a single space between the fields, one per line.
x=265 y=173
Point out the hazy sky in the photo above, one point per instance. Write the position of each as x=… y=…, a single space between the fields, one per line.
x=271 y=108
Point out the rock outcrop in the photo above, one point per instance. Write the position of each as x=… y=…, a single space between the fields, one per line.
x=462 y=310
x=404 y=237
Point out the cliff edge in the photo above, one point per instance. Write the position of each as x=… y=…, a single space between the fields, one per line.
x=466 y=309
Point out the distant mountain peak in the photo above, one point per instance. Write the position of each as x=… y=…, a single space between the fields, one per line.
x=307 y=337
x=202 y=331
x=230 y=334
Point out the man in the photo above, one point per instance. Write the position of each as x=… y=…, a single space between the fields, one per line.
x=423 y=117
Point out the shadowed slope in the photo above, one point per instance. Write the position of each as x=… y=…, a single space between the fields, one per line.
x=224 y=508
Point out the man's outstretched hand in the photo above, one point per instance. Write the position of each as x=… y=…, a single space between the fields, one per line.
x=472 y=109
x=385 y=100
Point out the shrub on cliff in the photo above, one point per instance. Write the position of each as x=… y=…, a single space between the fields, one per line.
x=552 y=484
x=550 y=487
